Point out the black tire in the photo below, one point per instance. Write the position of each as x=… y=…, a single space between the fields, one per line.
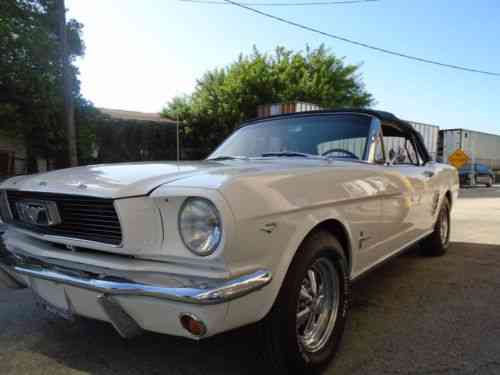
x=279 y=328
x=490 y=183
x=437 y=243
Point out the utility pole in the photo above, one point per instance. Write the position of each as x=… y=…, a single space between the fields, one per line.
x=69 y=110
x=178 y=140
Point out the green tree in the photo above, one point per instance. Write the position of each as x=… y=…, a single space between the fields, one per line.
x=31 y=78
x=225 y=97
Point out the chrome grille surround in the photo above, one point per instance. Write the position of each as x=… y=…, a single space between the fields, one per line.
x=82 y=217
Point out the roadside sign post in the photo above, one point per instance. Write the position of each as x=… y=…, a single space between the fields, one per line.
x=458 y=158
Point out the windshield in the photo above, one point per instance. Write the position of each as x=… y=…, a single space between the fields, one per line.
x=340 y=136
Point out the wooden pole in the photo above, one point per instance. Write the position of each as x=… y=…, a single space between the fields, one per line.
x=178 y=140
x=69 y=110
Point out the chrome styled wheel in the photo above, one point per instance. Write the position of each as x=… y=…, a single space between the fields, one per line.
x=303 y=329
x=444 y=226
x=436 y=244
x=318 y=305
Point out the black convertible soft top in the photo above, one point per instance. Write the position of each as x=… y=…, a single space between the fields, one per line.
x=386 y=118
x=383 y=116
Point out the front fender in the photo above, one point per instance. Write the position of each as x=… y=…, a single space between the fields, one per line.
x=276 y=252
x=274 y=212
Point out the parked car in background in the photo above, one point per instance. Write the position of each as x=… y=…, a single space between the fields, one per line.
x=269 y=230
x=476 y=173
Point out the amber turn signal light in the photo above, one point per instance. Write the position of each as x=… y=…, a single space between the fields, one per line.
x=193 y=325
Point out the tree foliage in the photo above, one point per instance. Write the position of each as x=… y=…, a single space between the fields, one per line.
x=31 y=78
x=129 y=140
x=225 y=97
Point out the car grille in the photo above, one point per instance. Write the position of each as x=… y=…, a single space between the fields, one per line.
x=82 y=217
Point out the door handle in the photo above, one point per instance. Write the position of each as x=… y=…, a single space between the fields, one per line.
x=428 y=174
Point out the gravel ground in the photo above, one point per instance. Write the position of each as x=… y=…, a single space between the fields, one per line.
x=412 y=316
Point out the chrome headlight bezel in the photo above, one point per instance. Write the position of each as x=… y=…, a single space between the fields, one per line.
x=208 y=246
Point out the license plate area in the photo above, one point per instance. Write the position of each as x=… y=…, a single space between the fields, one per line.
x=52 y=298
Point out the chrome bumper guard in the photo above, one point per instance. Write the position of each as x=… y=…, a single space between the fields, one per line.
x=215 y=292
x=6 y=279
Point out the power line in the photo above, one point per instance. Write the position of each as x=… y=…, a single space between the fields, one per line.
x=284 y=4
x=361 y=44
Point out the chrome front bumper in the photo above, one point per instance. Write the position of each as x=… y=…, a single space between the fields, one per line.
x=191 y=291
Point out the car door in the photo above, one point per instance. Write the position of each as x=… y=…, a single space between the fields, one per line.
x=406 y=207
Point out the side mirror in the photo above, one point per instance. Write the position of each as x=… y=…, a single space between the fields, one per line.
x=396 y=157
x=392 y=157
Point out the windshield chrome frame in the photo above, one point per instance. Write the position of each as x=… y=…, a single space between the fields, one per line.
x=371 y=142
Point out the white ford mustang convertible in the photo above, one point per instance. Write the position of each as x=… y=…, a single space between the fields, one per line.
x=271 y=229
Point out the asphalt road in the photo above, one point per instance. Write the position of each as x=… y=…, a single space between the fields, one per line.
x=414 y=315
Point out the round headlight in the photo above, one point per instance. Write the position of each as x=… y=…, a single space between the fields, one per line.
x=200 y=226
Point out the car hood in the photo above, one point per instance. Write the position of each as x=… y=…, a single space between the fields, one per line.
x=135 y=179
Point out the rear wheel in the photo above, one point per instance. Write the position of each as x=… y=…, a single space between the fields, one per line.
x=472 y=180
x=437 y=243
x=490 y=182
x=303 y=330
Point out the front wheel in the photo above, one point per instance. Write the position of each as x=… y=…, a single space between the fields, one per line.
x=438 y=241
x=303 y=330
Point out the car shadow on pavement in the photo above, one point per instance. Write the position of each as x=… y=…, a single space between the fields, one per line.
x=426 y=315
x=412 y=315
x=95 y=348
x=479 y=192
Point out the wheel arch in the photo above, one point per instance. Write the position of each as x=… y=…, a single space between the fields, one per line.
x=337 y=229
x=330 y=223
x=448 y=195
x=245 y=312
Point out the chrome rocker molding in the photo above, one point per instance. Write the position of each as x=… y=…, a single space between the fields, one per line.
x=218 y=292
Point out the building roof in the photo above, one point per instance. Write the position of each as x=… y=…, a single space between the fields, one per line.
x=120 y=114
x=470 y=131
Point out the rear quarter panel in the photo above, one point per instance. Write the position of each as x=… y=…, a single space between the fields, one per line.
x=447 y=180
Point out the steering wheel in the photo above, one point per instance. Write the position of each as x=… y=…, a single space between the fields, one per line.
x=347 y=152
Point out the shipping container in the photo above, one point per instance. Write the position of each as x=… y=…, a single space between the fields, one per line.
x=265 y=110
x=480 y=147
x=430 y=134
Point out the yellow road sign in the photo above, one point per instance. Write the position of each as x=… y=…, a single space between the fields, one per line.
x=458 y=158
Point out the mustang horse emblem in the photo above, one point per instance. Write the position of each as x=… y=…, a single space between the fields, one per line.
x=44 y=213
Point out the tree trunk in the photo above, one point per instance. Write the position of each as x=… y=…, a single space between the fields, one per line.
x=69 y=110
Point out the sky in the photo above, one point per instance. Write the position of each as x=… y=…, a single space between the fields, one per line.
x=142 y=53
